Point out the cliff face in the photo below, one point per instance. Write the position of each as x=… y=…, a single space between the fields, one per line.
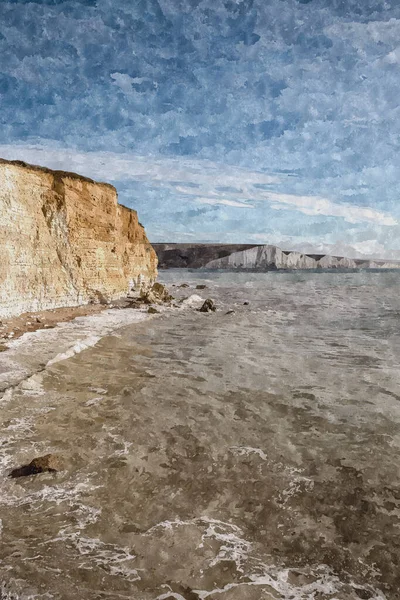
x=267 y=258
x=193 y=256
x=255 y=257
x=65 y=241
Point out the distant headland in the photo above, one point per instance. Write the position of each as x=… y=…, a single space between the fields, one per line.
x=256 y=257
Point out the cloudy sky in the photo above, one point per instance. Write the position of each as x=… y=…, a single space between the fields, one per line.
x=268 y=121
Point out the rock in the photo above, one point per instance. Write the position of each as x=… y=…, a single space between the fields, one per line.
x=152 y=311
x=157 y=294
x=49 y=463
x=38 y=319
x=246 y=303
x=184 y=285
x=10 y=335
x=201 y=286
x=230 y=312
x=193 y=301
x=208 y=306
x=100 y=244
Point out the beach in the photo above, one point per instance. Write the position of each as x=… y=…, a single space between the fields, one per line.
x=250 y=453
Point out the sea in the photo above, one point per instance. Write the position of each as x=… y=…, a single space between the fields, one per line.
x=251 y=453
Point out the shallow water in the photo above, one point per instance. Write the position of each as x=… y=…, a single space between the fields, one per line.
x=241 y=456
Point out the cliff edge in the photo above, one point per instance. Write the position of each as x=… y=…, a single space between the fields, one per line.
x=65 y=241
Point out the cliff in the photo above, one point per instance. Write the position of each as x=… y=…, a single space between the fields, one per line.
x=65 y=241
x=256 y=257
x=193 y=256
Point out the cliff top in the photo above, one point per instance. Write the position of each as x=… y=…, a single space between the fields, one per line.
x=56 y=173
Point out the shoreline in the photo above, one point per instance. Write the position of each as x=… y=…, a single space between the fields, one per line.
x=12 y=328
x=58 y=335
x=46 y=337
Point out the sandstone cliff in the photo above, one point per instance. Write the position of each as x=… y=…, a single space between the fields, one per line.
x=65 y=241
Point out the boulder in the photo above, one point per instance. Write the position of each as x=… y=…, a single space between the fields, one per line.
x=152 y=310
x=49 y=463
x=201 y=286
x=208 y=306
x=193 y=301
x=157 y=294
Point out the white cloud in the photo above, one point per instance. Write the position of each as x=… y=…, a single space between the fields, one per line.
x=393 y=57
x=121 y=167
x=123 y=81
x=210 y=183
x=222 y=202
x=312 y=205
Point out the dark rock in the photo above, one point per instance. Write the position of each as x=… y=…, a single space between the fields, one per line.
x=184 y=285
x=152 y=311
x=201 y=286
x=246 y=303
x=208 y=306
x=363 y=593
x=230 y=312
x=49 y=463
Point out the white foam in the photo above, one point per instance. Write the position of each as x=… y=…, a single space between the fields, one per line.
x=94 y=401
x=80 y=346
x=247 y=450
x=120 y=441
x=233 y=547
x=170 y=594
x=113 y=559
x=194 y=301
x=316 y=581
x=325 y=582
x=36 y=350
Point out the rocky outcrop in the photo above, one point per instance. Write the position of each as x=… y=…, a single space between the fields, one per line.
x=65 y=241
x=256 y=257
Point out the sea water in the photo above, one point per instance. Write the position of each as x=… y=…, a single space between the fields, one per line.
x=238 y=455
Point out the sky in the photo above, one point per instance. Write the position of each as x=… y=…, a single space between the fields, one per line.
x=265 y=121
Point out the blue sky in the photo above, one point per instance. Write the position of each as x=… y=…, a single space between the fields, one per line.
x=268 y=121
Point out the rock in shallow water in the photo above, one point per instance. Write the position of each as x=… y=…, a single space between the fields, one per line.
x=49 y=463
x=208 y=306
